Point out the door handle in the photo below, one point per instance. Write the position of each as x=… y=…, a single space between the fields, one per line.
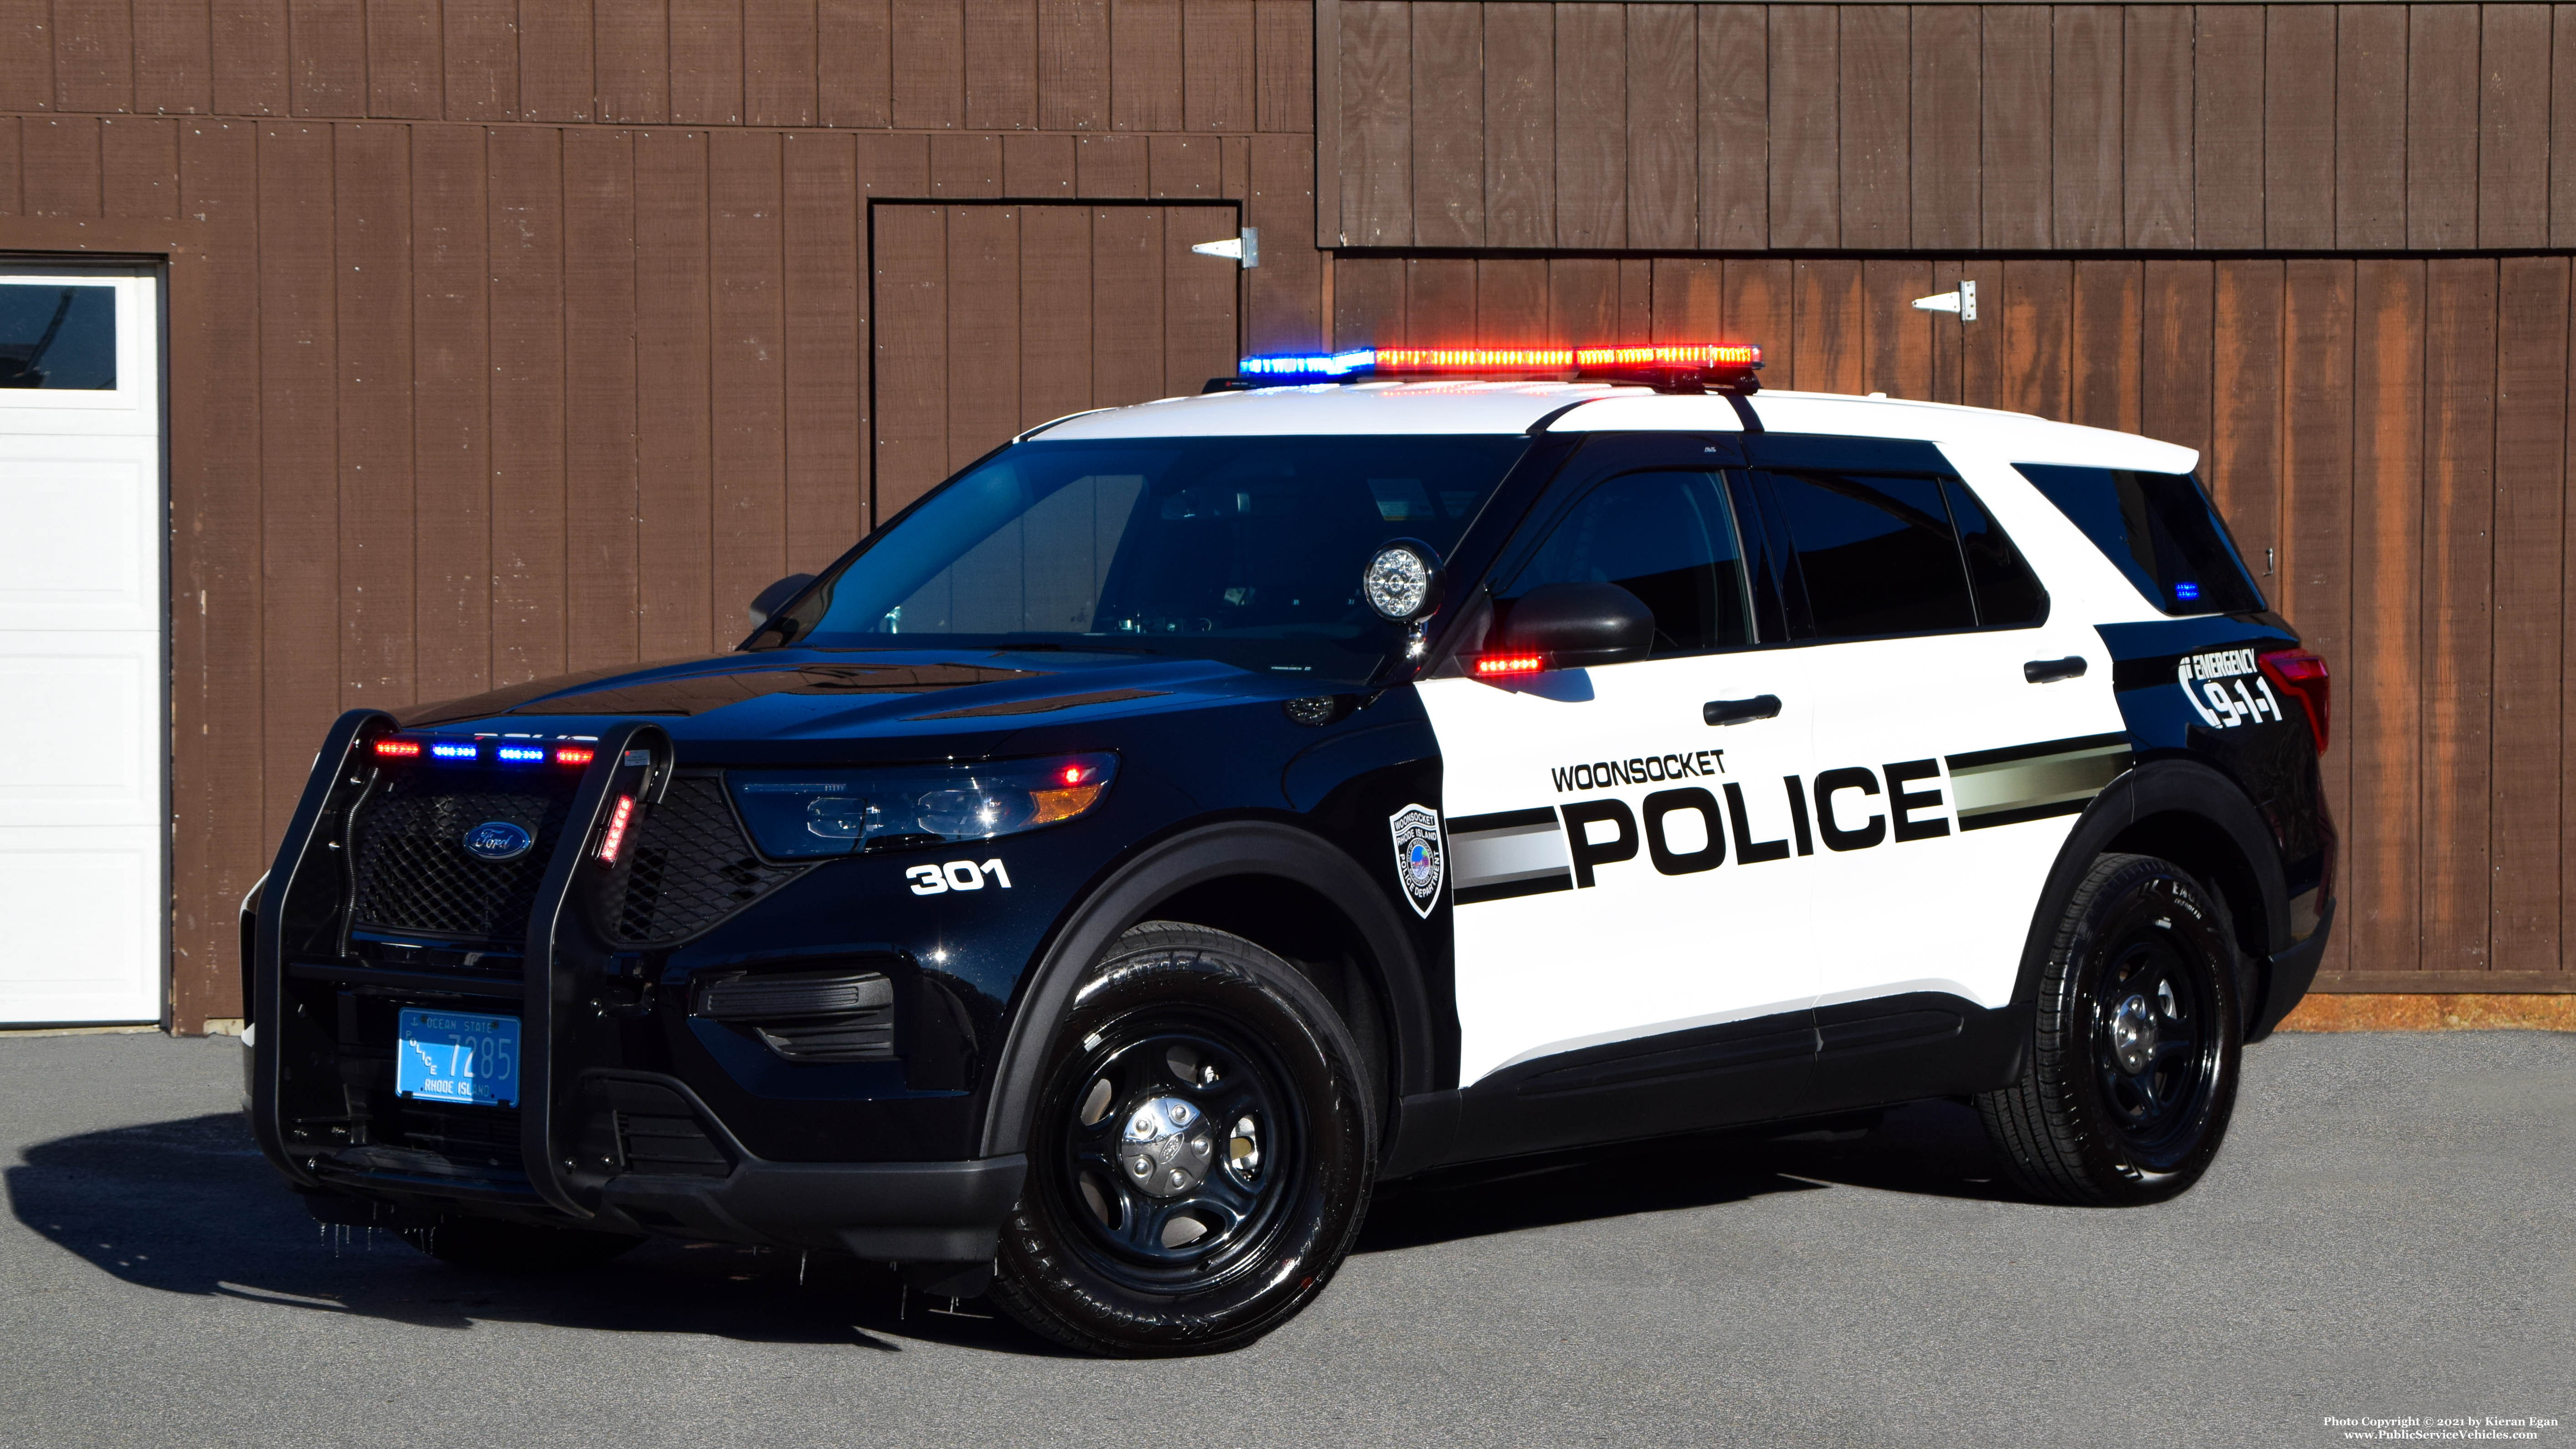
x=2049 y=671
x=1737 y=711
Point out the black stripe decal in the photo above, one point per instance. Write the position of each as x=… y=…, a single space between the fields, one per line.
x=2011 y=753
x=1501 y=820
x=2026 y=812
x=1534 y=886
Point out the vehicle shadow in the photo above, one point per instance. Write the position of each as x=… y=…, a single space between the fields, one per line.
x=189 y=1206
x=1929 y=1148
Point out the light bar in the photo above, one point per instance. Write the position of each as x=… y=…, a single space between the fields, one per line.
x=521 y=754
x=574 y=754
x=1679 y=362
x=397 y=749
x=1475 y=359
x=1339 y=364
x=453 y=750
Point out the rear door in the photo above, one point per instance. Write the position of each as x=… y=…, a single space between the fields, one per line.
x=1612 y=854
x=1960 y=722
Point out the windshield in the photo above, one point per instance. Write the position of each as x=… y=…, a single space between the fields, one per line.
x=1248 y=550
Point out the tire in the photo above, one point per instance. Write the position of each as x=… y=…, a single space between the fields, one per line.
x=505 y=1247
x=2132 y=1072
x=1141 y=1232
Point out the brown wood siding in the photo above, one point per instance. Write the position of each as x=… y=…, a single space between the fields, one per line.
x=536 y=338
x=2389 y=438
x=1972 y=127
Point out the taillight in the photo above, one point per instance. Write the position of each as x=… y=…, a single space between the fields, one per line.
x=1494 y=666
x=2301 y=673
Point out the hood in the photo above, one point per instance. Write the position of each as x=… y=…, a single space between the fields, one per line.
x=781 y=697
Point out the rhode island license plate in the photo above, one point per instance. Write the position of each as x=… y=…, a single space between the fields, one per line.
x=457 y=1056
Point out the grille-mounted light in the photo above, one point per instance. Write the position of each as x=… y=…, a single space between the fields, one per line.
x=521 y=754
x=397 y=749
x=615 y=839
x=574 y=754
x=454 y=750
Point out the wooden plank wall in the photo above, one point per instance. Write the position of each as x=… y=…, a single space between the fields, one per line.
x=544 y=326
x=1727 y=127
x=2389 y=440
x=1022 y=313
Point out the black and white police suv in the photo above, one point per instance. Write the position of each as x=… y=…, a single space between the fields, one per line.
x=1192 y=814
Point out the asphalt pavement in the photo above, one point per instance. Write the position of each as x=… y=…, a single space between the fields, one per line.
x=2389 y=1233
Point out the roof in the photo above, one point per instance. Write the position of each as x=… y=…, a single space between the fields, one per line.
x=1511 y=407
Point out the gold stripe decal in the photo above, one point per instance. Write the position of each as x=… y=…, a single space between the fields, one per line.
x=2033 y=782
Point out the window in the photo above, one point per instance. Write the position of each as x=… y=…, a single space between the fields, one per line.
x=2161 y=531
x=1243 y=549
x=2008 y=594
x=1873 y=555
x=58 y=335
x=1667 y=538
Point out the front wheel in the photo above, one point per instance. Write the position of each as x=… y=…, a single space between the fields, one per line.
x=2132 y=1074
x=1200 y=1155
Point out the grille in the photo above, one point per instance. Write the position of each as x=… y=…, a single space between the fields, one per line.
x=460 y=1134
x=692 y=866
x=414 y=874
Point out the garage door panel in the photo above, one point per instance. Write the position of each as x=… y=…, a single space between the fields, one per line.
x=76 y=521
x=77 y=746
x=84 y=914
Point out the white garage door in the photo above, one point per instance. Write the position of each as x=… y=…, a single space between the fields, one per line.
x=82 y=868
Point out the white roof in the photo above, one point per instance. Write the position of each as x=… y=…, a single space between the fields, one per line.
x=1511 y=407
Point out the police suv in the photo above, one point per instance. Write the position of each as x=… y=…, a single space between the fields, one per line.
x=1192 y=814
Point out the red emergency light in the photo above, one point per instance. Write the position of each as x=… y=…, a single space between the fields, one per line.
x=1669 y=366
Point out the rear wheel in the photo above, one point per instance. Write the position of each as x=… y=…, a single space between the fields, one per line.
x=2132 y=1074
x=1200 y=1155
x=506 y=1247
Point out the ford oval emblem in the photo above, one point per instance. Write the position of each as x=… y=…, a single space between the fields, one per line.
x=498 y=840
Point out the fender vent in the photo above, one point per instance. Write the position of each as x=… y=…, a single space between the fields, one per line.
x=807 y=1016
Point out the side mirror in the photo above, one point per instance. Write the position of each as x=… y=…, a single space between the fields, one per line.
x=775 y=597
x=1575 y=625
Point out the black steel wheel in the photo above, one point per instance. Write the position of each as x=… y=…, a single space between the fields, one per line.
x=1200 y=1155
x=2132 y=1074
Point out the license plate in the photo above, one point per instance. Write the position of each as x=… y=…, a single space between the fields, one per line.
x=457 y=1056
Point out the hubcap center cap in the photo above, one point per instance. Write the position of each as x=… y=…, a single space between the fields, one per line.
x=2133 y=1034
x=1166 y=1147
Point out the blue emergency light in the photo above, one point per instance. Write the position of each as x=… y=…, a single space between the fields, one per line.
x=521 y=754
x=1686 y=366
x=453 y=751
x=2186 y=592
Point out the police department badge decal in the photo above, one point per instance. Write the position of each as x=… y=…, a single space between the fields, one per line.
x=1417 y=855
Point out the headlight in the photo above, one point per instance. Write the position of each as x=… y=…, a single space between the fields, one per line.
x=797 y=814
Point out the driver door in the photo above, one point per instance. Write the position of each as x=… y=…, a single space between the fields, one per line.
x=1622 y=896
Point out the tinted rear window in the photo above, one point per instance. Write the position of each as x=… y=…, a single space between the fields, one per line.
x=1877 y=555
x=2160 y=529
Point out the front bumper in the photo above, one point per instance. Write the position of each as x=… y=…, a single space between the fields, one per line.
x=608 y=1132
